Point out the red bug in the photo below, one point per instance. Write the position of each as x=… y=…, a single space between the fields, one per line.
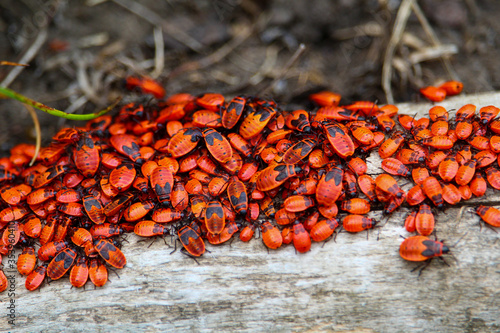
x=339 y=139
x=229 y=230
x=357 y=223
x=274 y=176
x=298 y=120
x=32 y=227
x=448 y=168
x=329 y=187
x=117 y=204
x=27 y=261
x=478 y=185
x=267 y=207
x=390 y=146
x=271 y=236
x=106 y=230
x=487 y=113
x=217 y=145
x=389 y=185
x=451 y=194
x=410 y=225
x=36 y=277
x=231 y=115
x=214 y=217
x=323 y=229
x=4 y=283
x=210 y=101
x=247 y=233
x=150 y=229
x=122 y=177
x=433 y=191
x=110 y=253
x=127 y=145
x=356 y=206
x=86 y=155
x=367 y=186
x=466 y=172
x=94 y=209
x=191 y=241
x=240 y=144
x=490 y=215
x=162 y=182
x=61 y=263
x=433 y=94
x=237 y=194
x=256 y=121
x=98 y=273
x=452 y=87
x=395 y=167
x=424 y=221
x=138 y=210
x=299 y=151
x=298 y=203
x=301 y=238
x=145 y=85
x=49 y=250
x=287 y=235
x=79 y=273
x=325 y=98
x=421 y=248
x=419 y=175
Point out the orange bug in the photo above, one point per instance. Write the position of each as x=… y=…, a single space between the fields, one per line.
x=237 y=194
x=36 y=277
x=395 y=167
x=4 y=283
x=487 y=113
x=363 y=135
x=106 y=230
x=329 y=187
x=229 y=230
x=390 y=146
x=299 y=151
x=424 y=221
x=179 y=197
x=440 y=127
x=451 y=194
x=232 y=113
x=298 y=120
x=206 y=164
x=32 y=227
x=311 y=220
x=68 y=195
x=138 y=210
x=218 y=185
x=356 y=206
x=150 y=229
x=275 y=175
x=256 y=121
x=385 y=123
x=433 y=94
x=448 y=168
x=440 y=142
x=284 y=217
x=98 y=273
x=298 y=203
x=466 y=172
x=247 y=232
x=452 y=87
x=357 y=223
x=27 y=261
x=267 y=207
x=339 y=139
x=40 y=195
x=287 y=235
x=191 y=241
x=419 y=175
x=117 y=204
x=479 y=142
x=271 y=236
x=79 y=273
x=122 y=177
x=489 y=215
x=127 y=145
x=465 y=112
x=421 y=248
x=485 y=158
x=433 y=191
x=86 y=156
x=240 y=144
x=406 y=121
x=49 y=250
x=478 y=185
x=145 y=85
x=495 y=144
x=307 y=186
x=110 y=253
x=210 y=101
x=463 y=129
x=410 y=225
x=301 y=238
x=162 y=182
x=358 y=166
x=364 y=107
x=217 y=145
x=465 y=192
x=214 y=217
x=493 y=177
x=80 y=236
x=61 y=263
x=325 y=98
x=323 y=229
x=367 y=186
x=388 y=184
x=93 y=208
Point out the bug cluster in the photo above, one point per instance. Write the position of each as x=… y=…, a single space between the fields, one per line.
x=201 y=169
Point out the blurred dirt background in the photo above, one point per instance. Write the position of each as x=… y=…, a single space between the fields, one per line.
x=79 y=52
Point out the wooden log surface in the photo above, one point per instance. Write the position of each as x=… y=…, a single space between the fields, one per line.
x=354 y=284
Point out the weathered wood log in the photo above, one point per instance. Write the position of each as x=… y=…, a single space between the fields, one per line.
x=353 y=284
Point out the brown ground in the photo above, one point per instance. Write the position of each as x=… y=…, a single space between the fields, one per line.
x=345 y=45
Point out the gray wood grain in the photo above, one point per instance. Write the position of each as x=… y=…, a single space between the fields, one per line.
x=352 y=285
